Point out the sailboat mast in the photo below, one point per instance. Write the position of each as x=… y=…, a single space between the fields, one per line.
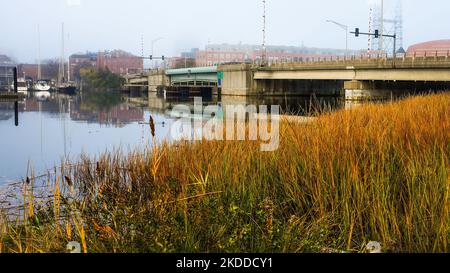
x=62 y=52
x=68 y=70
x=61 y=61
x=39 y=75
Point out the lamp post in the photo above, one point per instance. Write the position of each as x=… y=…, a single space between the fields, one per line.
x=344 y=27
x=153 y=47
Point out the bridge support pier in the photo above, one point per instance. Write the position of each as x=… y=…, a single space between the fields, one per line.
x=367 y=90
x=157 y=79
x=237 y=80
x=376 y=90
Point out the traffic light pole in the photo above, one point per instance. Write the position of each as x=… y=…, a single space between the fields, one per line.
x=151 y=58
x=378 y=35
x=154 y=58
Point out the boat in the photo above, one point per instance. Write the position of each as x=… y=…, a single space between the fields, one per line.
x=67 y=88
x=42 y=85
x=22 y=86
x=42 y=95
x=64 y=86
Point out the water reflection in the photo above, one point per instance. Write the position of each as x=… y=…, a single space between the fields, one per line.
x=290 y=105
x=55 y=127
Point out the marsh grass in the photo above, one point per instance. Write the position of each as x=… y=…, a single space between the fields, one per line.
x=379 y=172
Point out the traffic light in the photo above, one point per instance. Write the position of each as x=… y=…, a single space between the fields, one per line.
x=151 y=57
x=357 y=32
x=377 y=33
x=162 y=58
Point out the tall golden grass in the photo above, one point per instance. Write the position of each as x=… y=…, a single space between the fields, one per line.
x=379 y=172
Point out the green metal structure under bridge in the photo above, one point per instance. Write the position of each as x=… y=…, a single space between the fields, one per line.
x=193 y=77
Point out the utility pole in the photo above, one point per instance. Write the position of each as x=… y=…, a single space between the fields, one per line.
x=142 y=53
x=264 y=51
x=142 y=46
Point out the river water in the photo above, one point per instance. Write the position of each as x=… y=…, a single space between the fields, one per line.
x=61 y=127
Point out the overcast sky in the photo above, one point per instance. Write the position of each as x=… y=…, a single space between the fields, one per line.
x=117 y=24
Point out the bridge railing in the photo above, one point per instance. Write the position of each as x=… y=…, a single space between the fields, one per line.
x=411 y=60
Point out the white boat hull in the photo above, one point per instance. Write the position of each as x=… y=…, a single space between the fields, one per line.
x=42 y=95
x=41 y=87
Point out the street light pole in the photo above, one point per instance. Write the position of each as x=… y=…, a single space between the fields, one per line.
x=153 y=47
x=344 y=27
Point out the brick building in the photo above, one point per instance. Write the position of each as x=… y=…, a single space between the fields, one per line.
x=228 y=53
x=119 y=62
x=28 y=71
x=212 y=57
x=78 y=61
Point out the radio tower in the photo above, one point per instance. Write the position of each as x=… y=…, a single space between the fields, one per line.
x=369 y=40
x=399 y=25
x=394 y=25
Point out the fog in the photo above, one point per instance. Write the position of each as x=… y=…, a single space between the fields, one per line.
x=93 y=25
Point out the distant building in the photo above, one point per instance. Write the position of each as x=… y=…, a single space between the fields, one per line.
x=120 y=62
x=5 y=60
x=6 y=76
x=117 y=61
x=180 y=62
x=49 y=71
x=228 y=53
x=214 y=57
x=28 y=71
x=78 y=61
x=431 y=48
x=190 y=54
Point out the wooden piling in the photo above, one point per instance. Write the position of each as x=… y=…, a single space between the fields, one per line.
x=15 y=79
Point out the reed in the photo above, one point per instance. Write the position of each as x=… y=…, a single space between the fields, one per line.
x=376 y=173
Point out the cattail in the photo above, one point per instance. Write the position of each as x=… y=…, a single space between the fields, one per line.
x=68 y=181
x=152 y=126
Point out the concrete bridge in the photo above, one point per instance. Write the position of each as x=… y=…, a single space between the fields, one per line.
x=357 y=77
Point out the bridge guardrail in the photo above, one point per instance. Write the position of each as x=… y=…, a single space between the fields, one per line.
x=404 y=62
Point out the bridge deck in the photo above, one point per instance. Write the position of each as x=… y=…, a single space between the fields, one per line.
x=418 y=62
x=407 y=69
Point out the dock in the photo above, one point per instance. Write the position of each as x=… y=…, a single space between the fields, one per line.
x=11 y=96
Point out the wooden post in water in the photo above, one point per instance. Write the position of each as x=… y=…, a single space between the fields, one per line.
x=16 y=113
x=16 y=103
x=15 y=79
